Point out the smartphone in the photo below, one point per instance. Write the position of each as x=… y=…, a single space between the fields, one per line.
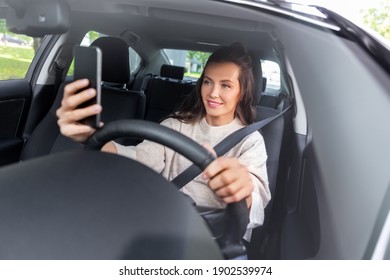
x=88 y=65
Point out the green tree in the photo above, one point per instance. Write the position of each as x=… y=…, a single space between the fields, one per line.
x=378 y=18
x=200 y=57
x=93 y=35
x=191 y=55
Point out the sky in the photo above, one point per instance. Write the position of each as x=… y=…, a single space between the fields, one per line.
x=348 y=8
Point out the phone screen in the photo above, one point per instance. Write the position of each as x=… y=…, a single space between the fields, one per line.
x=88 y=65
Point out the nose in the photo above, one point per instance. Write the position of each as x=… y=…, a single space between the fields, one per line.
x=214 y=92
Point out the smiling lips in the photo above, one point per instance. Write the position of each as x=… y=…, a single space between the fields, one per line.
x=213 y=104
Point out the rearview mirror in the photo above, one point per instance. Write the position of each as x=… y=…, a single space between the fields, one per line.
x=37 y=18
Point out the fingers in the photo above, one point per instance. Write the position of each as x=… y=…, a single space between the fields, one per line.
x=229 y=179
x=75 y=86
x=69 y=115
x=77 y=132
x=72 y=100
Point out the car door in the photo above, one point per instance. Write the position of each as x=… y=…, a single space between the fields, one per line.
x=23 y=102
x=15 y=93
x=14 y=100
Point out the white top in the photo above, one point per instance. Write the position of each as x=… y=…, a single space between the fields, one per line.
x=250 y=152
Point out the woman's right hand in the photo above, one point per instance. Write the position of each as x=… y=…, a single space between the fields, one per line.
x=69 y=116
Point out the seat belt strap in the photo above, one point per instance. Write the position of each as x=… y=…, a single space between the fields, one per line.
x=223 y=147
x=59 y=68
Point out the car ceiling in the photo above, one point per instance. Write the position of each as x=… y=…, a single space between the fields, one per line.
x=152 y=25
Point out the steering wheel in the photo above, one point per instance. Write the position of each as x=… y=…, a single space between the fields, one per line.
x=236 y=214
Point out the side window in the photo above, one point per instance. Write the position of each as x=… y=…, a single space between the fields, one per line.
x=271 y=71
x=16 y=53
x=134 y=58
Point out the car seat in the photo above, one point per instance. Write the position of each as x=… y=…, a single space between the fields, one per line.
x=165 y=93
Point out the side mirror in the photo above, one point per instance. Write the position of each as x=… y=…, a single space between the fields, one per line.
x=37 y=18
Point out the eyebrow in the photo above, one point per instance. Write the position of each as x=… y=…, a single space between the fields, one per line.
x=206 y=77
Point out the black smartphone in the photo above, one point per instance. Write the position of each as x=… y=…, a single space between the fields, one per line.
x=88 y=65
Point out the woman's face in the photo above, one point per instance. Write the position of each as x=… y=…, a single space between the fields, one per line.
x=221 y=92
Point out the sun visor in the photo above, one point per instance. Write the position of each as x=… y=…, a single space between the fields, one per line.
x=37 y=18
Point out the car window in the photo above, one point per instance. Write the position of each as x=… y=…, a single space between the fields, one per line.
x=387 y=255
x=16 y=53
x=271 y=71
x=192 y=61
x=134 y=58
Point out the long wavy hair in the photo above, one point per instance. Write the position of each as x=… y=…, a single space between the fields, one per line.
x=192 y=109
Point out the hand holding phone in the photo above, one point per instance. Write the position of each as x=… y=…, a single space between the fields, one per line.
x=88 y=65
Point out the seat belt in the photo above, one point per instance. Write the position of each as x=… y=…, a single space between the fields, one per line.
x=59 y=68
x=224 y=146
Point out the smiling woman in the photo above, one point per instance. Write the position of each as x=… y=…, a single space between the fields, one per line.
x=216 y=108
x=221 y=92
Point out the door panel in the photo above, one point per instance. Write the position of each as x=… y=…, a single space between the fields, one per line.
x=14 y=102
x=300 y=231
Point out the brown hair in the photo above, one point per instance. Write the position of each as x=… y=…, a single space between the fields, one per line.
x=193 y=110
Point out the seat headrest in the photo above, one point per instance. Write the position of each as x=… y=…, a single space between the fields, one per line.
x=171 y=71
x=115 y=64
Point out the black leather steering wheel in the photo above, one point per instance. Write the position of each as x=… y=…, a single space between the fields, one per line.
x=236 y=214
x=153 y=132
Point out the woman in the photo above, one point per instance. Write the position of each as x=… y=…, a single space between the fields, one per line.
x=220 y=105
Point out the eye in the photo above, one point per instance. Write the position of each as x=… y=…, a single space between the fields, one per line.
x=226 y=86
x=207 y=82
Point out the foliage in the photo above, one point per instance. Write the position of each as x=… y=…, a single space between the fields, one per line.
x=378 y=18
x=14 y=62
x=3 y=26
x=4 y=30
x=93 y=35
x=200 y=57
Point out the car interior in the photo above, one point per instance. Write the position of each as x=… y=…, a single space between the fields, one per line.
x=151 y=88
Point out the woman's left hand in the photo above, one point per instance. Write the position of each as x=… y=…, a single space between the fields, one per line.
x=230 y=180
